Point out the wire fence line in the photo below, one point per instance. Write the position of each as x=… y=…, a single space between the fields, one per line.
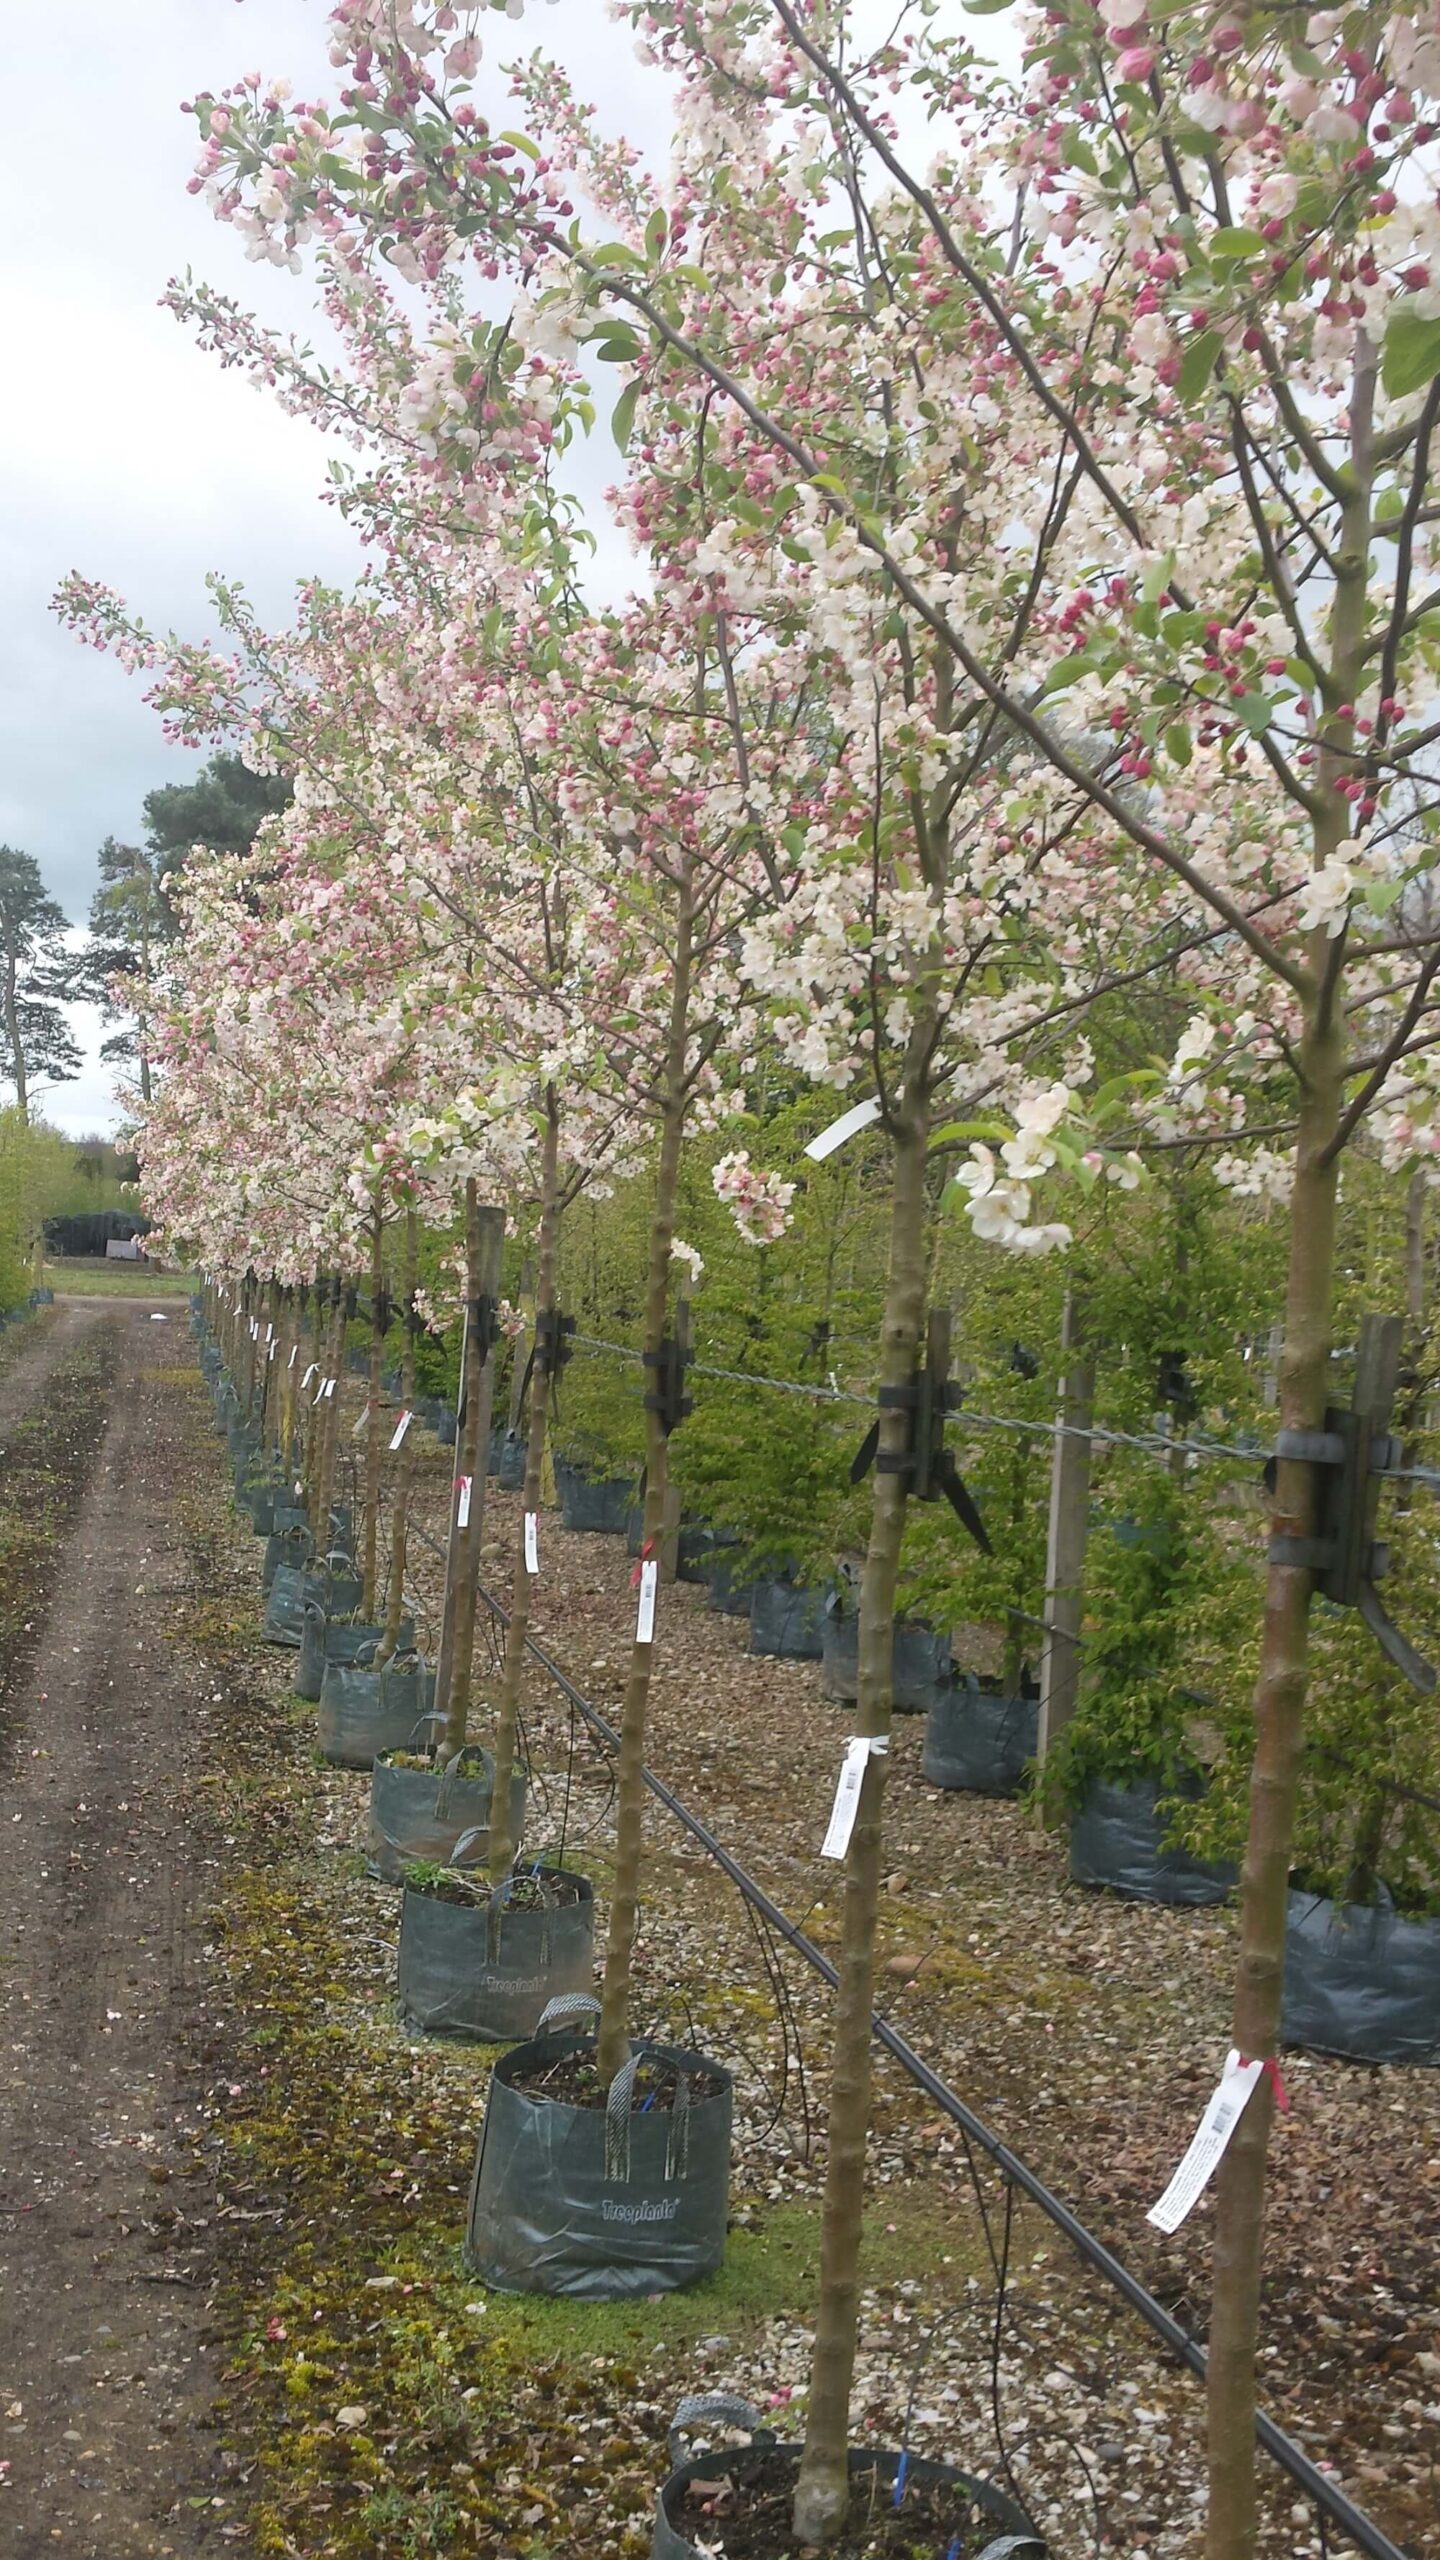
x=1153 y=1444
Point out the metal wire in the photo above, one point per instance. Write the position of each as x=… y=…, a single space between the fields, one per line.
x=1154 y=1444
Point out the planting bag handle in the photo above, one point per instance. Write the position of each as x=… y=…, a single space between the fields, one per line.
x=677 y=2153
x=568 y=2004
x=442 y=1792
x=697 y=2411
x=618 y=2104
x=549 y=1901
x=1005 y=2544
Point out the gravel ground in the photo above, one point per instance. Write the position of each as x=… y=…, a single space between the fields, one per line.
x=1086 y=2031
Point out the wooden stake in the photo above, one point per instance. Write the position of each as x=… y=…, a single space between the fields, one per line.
x=1069 y=1529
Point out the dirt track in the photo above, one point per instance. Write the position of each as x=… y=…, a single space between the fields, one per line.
x=103 y=2223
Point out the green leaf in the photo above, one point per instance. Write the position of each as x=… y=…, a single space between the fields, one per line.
x=1235 y=241
x=523 y=143
x=964 y=1133
x=1065 y=670
x=1255 y=712
x=614 y=253
x=657 y=231
x=1198 y=363
x=616 y=345
x=984 y=8
x=1177 y=743
x=1157 y=578
x=1412 y=354
x=623 y=416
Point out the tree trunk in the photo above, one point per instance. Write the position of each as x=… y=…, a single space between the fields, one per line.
x=399 y=1540
x=613 y=2046
x=822 y=2493
x=310 y=1462
x=12 y=1035
x=1274 y=1788
x=502 y=1845
x=484 y=1243
x=371 y=1594
x=328 y=1423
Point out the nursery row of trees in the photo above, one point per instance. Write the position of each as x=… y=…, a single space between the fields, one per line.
x=1022 y=742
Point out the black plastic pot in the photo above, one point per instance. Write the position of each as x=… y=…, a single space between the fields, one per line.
x=509 y=1464
x=342 y=1640
x=598 y=1503
x=979 y=1741
x=290 y=1546
x=729 y=1595
x=488 y=1972
x=1361 y=1981
x=337 y=1590
x=922 y=1668
x=436 y=1817
x=607 y=2205
x=1014 y=2531
x=695 y=1553
x=363 y=1712
x=1117 y=1839
x=786 y=1620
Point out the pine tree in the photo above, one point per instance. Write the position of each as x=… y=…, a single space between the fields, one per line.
x=38 y=977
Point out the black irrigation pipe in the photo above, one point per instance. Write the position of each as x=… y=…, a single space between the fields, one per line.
x=1326 y=2495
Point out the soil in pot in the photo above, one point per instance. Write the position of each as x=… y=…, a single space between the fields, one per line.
x=1117 y=1839
x=605 y=2201
x=1361 y=1980
x=736 y=2506
x=979 y=1741
x=485 y=1965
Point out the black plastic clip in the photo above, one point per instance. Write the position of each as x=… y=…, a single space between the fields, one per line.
x=1345 y=1559
x=553 y=1347
x=484 y=1316
x=382 y=1310
x=927 y=1465
x=415 y=1324
x=667 y=1397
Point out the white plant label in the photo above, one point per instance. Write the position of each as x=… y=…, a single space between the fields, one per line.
x=330 y=1386
x=270 y=1335
x=1213 y=2132
x=309 y=1374
x=858 y=1751
x=462 y=1516
x=860 y=1117
x=401 y=1427
x=254 y=1330
x=294 y=1355
x=358 y=1425
x=532 y=1542
x=274 y=1347
x=649 y=1585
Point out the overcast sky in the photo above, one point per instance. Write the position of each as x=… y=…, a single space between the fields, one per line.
x=124 y=451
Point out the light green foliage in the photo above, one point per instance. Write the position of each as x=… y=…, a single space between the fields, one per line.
x=37 y=1171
